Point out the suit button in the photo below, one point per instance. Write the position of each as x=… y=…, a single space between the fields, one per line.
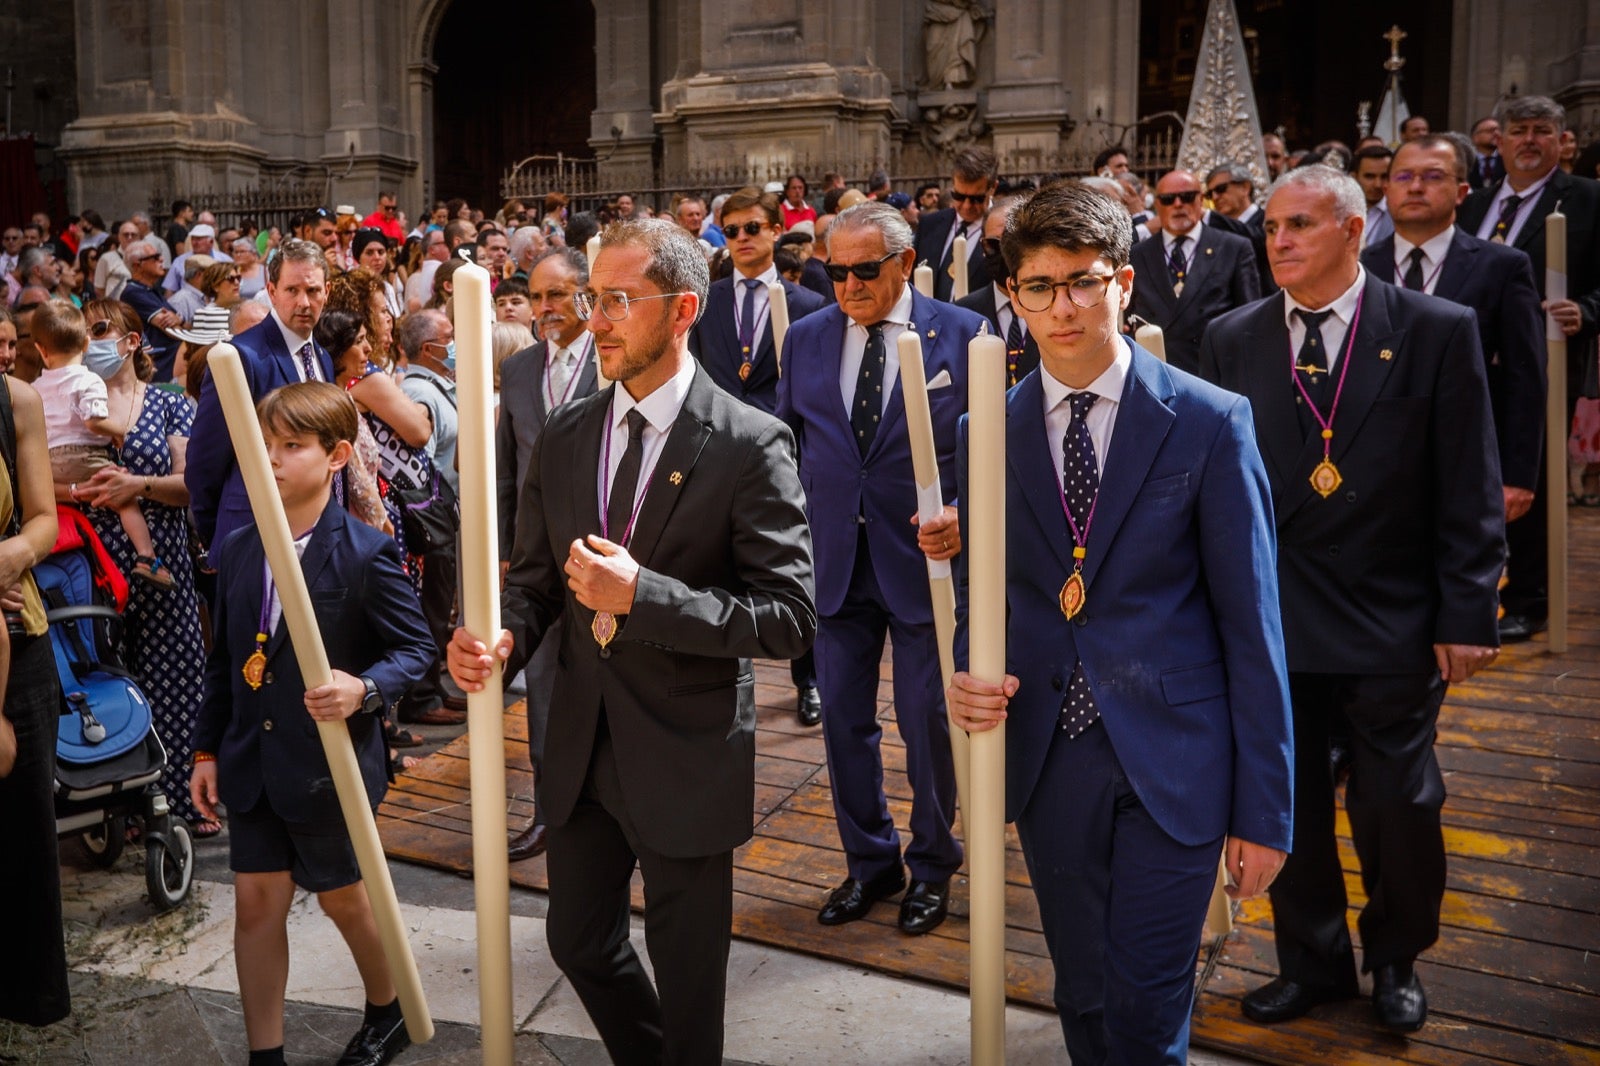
x=1055 y=683
x=1333 y=551
x=1350 y=497
x=267 y=726
x=1081 y=618
x=267 y=679
x=605 y=653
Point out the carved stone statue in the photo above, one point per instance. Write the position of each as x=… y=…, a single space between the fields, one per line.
x=950 y=33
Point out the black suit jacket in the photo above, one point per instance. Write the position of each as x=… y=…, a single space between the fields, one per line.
x=523 y=410
x=715 y=342
x=984 y=301
x=1497 y=283
x=1580 y=202
x=725 y=576
x=814 y=277
x=1254 y=231
x=1221 y=275
x=932 y=231
x=1483 y=174
x=1407 y=551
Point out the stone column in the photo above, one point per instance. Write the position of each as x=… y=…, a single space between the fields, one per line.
x=1101 y=71
x=622 y=130
x=1028 y=100
x=365 y=146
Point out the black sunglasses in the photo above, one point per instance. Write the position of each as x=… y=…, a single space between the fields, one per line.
x=99 y=329
x=749 y=229
x=991 y=245
x=1167 y=199
x=969 y=197
x=1217 y=190
x=867 y=271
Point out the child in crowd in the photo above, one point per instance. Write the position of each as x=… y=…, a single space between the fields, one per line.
x=79 y=426
x=256 y=748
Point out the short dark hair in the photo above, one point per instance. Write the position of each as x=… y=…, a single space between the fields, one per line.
x=1107 y=155
x=297 y=251
x=512 y=286
x=316 y=408
x=1409 y=119
x=455 y=233
x=180 y=206
x=796 y=236
x=337 y=331
x=785 y=261
x=830 y=201
x=580 y=227
x=1375 y=151
x=749 y=197
x=1068 y=215
x=676 y=262
x=977 y=164
x=1435 y=141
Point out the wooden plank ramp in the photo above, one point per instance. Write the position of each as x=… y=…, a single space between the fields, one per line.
x=1515 y=977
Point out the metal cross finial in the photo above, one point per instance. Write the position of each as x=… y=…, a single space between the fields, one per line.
x=1394 y=37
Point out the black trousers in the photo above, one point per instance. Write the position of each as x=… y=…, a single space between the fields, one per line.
x=1393 y=799
x=688 y=918
x=438 y=607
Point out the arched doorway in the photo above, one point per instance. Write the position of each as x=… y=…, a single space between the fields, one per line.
x=506 y=88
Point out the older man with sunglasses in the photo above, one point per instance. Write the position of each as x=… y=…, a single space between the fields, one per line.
x=1191 y=272
x=972 y=186
x=841 y=394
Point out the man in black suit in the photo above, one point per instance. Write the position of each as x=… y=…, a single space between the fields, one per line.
x=666 y=519
x=977 y=172
x=533 y=382
x=1232 y=192
x=994 y=302
x=1427 y=253
x=1487 y=167
x=1513 y=212
x=1386 y=492
x=733 y=341
x=1191 y=273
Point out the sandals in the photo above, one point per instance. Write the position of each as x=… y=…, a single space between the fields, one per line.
x=205 y=829
x=399 y=764
x=150 y=569
x=400 y=738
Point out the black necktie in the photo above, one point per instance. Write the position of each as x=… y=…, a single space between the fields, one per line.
x=1080 y=483
x=619 y=508
x=1177 y=265
x=1413 y=278
x=1312 y=366
x=1016 y=344
x=868 y=402
x=1508 y=214
x=747 y=320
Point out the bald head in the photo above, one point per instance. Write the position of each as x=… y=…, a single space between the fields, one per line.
x=1178 y=203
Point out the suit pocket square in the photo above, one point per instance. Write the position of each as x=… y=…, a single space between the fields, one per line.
x=940 y=380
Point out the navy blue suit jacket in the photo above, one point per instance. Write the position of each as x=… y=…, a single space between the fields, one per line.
x=932 y=231
x=1406 y=553
x=265 y=741
x=1180 y=636
x=216 y=489
x=842 y=488
x=1496 y=281
x=164 y=345
x=715 y=342
x=984 y=302
x=1221 y=275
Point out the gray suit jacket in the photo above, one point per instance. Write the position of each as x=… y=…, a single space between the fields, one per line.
x=725 y=576
x=523 y=410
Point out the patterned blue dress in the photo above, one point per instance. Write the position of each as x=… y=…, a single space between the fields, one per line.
x=161 y=641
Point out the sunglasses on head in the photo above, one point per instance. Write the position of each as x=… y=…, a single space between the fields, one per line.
x=867 y=271
x=1167 y=199
x=969 y=197
x=749 y=229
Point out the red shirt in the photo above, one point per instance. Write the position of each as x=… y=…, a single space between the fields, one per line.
x=389 y=225
x=804 y=213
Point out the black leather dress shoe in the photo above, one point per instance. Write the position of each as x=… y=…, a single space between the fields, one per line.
x=528 y=843
x=1515 y=628
x=1397 y=998
x=854 y=899
x=924 y=906
x=374 y=1045
x=1282 y=1000
x=809 y=705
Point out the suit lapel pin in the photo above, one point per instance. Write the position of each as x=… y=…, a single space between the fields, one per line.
x=1386 y=355
x=676 y=477
x=1210 y=250
x=930 y=334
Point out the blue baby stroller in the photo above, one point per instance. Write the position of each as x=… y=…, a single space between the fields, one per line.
x=108 y=757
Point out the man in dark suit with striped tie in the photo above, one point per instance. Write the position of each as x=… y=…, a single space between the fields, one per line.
x=977 y=173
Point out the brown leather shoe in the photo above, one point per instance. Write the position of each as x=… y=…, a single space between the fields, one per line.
x=528 y=843
x=437 y=716
x=452 y=702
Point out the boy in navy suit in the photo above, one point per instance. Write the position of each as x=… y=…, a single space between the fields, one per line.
x=256 y=747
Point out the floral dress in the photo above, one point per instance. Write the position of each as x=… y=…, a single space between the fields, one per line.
x=161 y=641
x=396 y=467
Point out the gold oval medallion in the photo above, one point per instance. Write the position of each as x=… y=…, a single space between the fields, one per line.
x=1073 y=594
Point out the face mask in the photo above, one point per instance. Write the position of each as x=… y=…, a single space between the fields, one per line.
x=449 y=360
x=103 y=358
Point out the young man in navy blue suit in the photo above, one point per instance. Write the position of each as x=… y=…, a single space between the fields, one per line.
x=841 y=394
x=733 y=341
x=1147 y=718
x=256 y=746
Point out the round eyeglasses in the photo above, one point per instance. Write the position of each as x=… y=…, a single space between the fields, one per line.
x=1085 y=291
x=613 y=304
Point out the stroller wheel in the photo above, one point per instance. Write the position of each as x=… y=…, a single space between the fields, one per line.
x=169 y=866
x=104 y=842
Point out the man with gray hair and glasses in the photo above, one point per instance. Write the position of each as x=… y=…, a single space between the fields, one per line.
x=1512 y=211
x=841 y=393
x=661 y=519
x=1380 y=454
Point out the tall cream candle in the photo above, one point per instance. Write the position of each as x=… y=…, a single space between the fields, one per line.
x=1152 y=340
x=986 y=628
x=480 y=584
x=958 y=268
x=305 y=636
x=592 y=249
x=1556 y=429
x=778 y=301
x=922 y=279
x=930 y=502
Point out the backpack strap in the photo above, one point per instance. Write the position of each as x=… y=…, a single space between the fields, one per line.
x=8 y=447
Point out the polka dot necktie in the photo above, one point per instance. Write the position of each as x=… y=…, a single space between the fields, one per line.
x=868 y=402
x=1080 y=482
x=308 y=362
x=1177 y=265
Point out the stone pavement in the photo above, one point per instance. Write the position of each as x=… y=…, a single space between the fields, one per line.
x=160 y=989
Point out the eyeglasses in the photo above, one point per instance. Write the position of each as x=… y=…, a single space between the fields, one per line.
x=1217 y=190
x=99 y=329
x=137 y=259
x=752 y=228
x=867 y=271
x=1085 y=291
x=234 y=278
x=614 y=305
x=1427 y=177
x=970 y=197
x=1167 y=199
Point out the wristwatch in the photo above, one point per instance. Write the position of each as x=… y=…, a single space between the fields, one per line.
x=371 y=701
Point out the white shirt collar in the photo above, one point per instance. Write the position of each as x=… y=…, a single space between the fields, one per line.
x=1433 y=249
x=766 y=277
x=662 y=406
x=579 y=345
x=291 y=339
x=1530 y=193
x=1108 y=386
x=1344 y=307
x=1168 y=239
x=899 y=314
x=1250 y=211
